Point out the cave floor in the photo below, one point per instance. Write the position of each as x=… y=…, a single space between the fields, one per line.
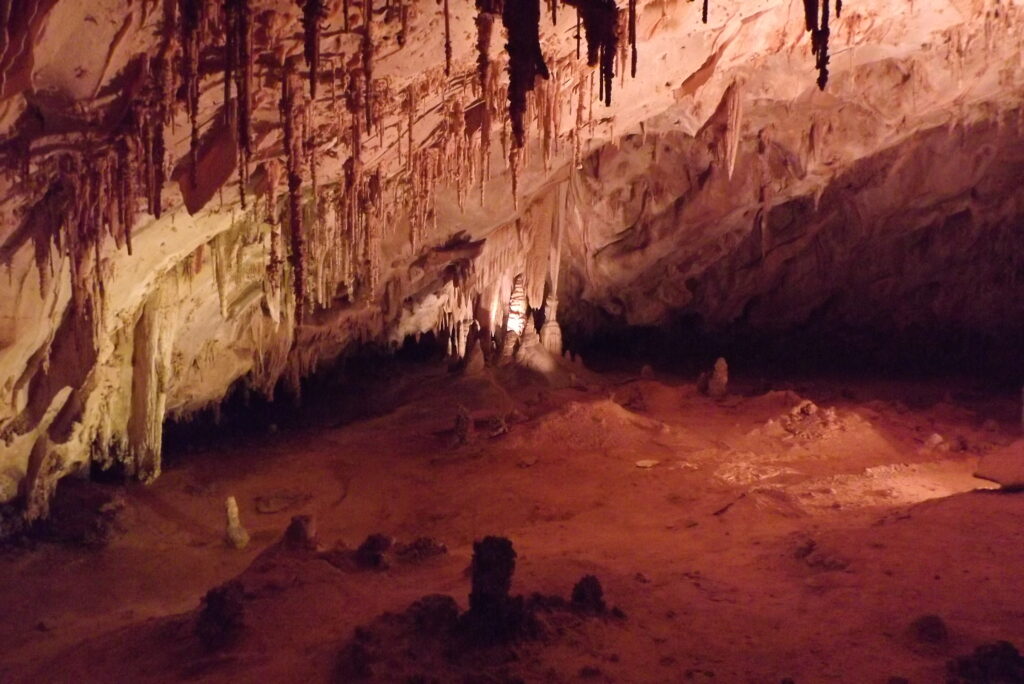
x=763 y=543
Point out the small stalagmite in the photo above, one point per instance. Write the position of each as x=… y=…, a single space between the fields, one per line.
x=463 y=432
x=517 y=310
x=718 y=383
x=551 y=331
x=236 y=536
x=715 y=383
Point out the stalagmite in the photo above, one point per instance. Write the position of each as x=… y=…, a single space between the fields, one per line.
x=463 y=432
x=715 y=384
x=235 y=535
x=551 y=331
x=516 y=322
x=151 y=375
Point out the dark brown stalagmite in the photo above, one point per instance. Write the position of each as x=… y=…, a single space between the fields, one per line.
x=525 y=59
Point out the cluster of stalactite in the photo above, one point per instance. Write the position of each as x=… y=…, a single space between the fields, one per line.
x=238 y=73
x=525 y=59
x=601 y=26
x=293 y=122
x=175 y=70
x=93 y=195
x=153 y=111
x=192 y=25
x=487 y=11
x=313 y=13
x=816 y=14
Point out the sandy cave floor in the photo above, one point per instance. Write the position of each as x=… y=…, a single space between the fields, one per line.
x=765 y=543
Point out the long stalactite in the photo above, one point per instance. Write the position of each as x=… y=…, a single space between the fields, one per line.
x=601 y=25
x=521 y=19
x=313 y=13
x=192 y=22
x=816 y=15
x=291 y=121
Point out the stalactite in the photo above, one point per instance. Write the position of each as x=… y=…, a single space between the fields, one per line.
x=230 y=53
x=486 y=12
x=313 y=12
x=192 y=22
x=310 y=145
x=447 y=41
x=553 y=9
x=403 y=31
x=579 y=32
x=367 y=54
x=127 y=151
x=601 y=27
x=238 y=72
x=816 y=15
x=521 y=19
x=244 y=86
x=632 y=38
x=159 y=104
x=484 y=27
x=356 y=105
x=290 y=113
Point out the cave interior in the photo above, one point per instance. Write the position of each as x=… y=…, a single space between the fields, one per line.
x=506 y=341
